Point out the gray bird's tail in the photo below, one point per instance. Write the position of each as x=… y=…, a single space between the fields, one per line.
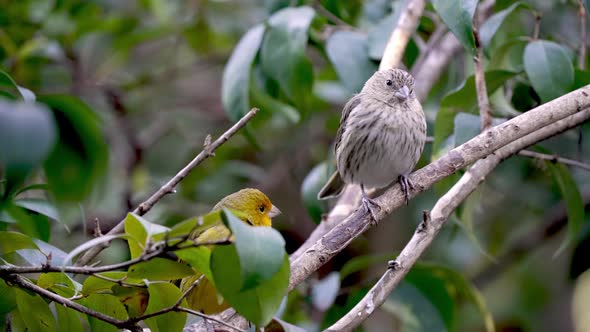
x=333 y=187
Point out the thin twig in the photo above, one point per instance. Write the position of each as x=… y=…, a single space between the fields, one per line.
x=211 y=318
x=537 y=28
x=119 y=282
x=420 y=43
x=582 y=49
x=317 y=5
x=554 y=158
x=435 y=220
x=144 y=207
x=485 y=112
x=431 y=45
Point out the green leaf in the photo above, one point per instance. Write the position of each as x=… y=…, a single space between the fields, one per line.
x=13 y=241
x=587 y=7
x=463 y=99
x=413 y=310
x=138 y=234
x=160 y=269
x=135 y=299
x=377 y=40
x=468 y=126
x=428 y=278
x=549 y=68
x=107 y=304
x=458 y=16
x=277 y=325
x=93 y=284
x=352 y=64
x=164 y=295
x=261 y=250
x=7 y=298
x=39 y=256
x=30 y=223
x=466 y=222
x=17 y=321
x=257 y=304
x=197 y=257
x=270 y=105
x=38 y=205
x=236 y=75
x=508 y=56
x=581 y=78
x=282 y=53
x=90 y=244
x=80 y=157
x=274 y=5
x=324 y=292
x=491 y=25
x=61 y=283
x=313 y=182
x=573 y=201
x=68 y=319
x=27 y=133
x=8 y=85
x=139 y=231
x=28 y=304
x=35 y=186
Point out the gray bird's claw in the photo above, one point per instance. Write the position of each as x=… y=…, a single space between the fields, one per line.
x=406 y=185
x=369 y=205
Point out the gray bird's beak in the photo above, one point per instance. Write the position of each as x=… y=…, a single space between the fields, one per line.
x=403 y=93
x=274 y=212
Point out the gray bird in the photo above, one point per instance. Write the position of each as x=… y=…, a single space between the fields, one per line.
x=381 y=137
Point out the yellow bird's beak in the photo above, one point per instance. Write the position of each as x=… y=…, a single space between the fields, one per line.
x=274 y=212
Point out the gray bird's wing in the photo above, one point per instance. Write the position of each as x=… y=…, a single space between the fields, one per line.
x=350 y=105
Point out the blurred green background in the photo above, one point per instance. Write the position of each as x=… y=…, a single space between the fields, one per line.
x=142 y=83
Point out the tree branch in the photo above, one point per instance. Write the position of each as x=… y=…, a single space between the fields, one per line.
x=479 y=147
x=435 y=220
x=144 y=207
x=554 y=158
x=400 y=36
x=485 y=112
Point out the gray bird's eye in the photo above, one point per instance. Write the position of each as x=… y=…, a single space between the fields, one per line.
x=389 y=82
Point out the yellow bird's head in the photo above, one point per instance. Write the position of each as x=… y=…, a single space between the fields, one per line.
x=250 y=205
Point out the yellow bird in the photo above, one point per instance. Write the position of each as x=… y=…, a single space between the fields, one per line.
x=251 y=206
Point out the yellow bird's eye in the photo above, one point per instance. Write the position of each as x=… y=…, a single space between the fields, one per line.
x=261 y=208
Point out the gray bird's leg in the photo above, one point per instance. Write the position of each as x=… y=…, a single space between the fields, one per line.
x=407 y=185
x=369 y=205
